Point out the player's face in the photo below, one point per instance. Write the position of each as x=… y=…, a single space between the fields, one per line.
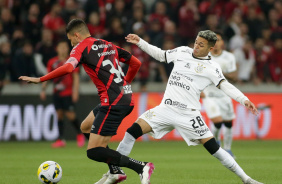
x=73 y=39
x=219 y=43
x=201 y=47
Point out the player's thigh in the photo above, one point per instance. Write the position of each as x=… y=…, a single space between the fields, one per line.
x=192 y=128
x=109 y=118
x=87 y=123
x=211 y=107
x=96 y=140
x=160 y=121
x=226 y=108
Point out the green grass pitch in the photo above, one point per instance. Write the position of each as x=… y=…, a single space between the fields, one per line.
x=175 y=162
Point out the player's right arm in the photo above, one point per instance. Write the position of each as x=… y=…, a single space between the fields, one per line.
x=153 y=51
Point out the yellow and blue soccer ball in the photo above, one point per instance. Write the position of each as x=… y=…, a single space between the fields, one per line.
x=49 y=172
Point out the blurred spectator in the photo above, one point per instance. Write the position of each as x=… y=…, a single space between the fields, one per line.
x=276 y=61
x=237 y=41
x=69 y=9
x=54 y=21
x=233 y=27
x=80 y=14
x=262 y=57
x=17 y=40
x=266 y=6
x=188 y=18
x=169 y=34
x=116 y=32
x=7 y=21
x=230 y=7
x=212 y=23
x=245 y=58
x=45 y=48
x=5 y=59
x=118 y=11
x=33 y=25
x=23 y=62
x=3 y=36
x=96 y=25
x=275 y=22
x=159 y=13
x=254 y=23
x=154 y=29
x=138 y=16
x=94 y=6
x=208 y=7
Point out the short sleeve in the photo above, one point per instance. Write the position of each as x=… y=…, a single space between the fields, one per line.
x=170 y=55
x=123 y=55
x=216 y=76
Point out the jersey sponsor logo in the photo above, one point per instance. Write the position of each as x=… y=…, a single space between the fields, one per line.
x=101 y=46
x=182 y=75
x=187 y=65
x=127 y=89
x=174 y=81
x=172 y=51
x=199 y=68
x=185 y=51
x=219 y=74
x=175 y=104
x=107 y=53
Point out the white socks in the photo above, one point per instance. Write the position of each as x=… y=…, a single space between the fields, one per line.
x=227 y=138
x=126 y=145
x=230 y=163
x=216 y=133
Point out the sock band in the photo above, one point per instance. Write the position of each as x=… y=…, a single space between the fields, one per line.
x=228 y=124
x=135 y=130
x=217 y=125
x=211 y=146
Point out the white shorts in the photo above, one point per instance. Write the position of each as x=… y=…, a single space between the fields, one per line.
x=215 y=107
x=190 y=125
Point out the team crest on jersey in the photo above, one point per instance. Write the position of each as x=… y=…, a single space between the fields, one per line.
x=149 y=114
x=199 y=68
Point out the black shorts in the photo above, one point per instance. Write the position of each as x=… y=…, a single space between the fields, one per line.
x=108 y=118
x=64 y=103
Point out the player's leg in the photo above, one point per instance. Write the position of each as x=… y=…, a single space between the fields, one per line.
x=60 y=142
x=71 y=116
x=226 y=159
x=214 y=114
x=134 y=132
x=227 y=137
x=105 y=124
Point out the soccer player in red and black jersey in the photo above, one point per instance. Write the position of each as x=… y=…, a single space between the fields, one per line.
x=101 y=61
x=65 y=95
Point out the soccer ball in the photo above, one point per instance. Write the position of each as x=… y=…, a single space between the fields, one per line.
x=49 y=172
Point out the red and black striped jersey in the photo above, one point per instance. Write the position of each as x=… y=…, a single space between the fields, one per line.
x=101 y=61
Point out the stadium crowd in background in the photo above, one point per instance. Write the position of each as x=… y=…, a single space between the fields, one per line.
x=252 y=29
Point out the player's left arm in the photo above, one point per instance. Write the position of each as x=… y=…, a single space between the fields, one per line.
x=237 y=95
x=67 y=68
x=133 y=63
x=75 y=87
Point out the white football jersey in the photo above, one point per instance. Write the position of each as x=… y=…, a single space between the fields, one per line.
x=227 y=62
x=189 y=77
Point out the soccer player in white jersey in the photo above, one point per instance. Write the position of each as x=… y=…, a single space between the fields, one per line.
x=180 y=108
x=218 y=105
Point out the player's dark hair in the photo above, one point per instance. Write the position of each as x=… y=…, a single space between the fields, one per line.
x=220 y=34
x=77 y=25
x=209 y=35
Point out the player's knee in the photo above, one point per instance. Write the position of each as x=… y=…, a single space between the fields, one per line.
x=135 y=130
x=96 y=154
x=218 y=125
x=211 y=146
x=228 y=124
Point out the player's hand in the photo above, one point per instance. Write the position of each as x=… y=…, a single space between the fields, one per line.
x=30 y=79
x=132 y=38
x=251 y=107
x=42 y=95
